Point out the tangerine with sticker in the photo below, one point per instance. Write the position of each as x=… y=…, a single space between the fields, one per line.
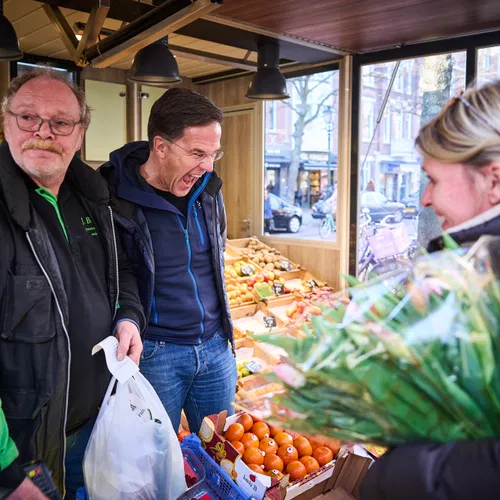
x=260 y=429
x=253 y=456
x=303 y=446
x=288 y=453
x=250 y=440
x=268 y=445
x=283 y=438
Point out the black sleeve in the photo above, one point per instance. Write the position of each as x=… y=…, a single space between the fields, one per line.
x=130 y=305
x=10 y=478
x=461 y=470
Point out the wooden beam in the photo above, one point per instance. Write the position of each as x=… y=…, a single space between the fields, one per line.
x=212 y=58
x=62 y=26
x=165 y=27
x=93 y=27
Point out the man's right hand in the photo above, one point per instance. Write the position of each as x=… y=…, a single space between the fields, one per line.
x=27 y=491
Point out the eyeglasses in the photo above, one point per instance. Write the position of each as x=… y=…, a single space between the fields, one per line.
x=476 y=112
x=199 y=156
x=33 y=123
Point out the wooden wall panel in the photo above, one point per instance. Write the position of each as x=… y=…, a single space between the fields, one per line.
x=321 y=262
x=226 y=93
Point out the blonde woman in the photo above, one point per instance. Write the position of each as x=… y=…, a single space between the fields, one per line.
x=461 y=157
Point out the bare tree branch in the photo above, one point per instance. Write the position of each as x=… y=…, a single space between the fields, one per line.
x=320 y=105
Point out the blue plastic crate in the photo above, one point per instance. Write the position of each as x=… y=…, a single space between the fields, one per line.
x=218 y=480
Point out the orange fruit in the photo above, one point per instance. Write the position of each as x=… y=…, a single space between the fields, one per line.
x=275 y=473
x=273 y=462
x=310 y=463
x=268 y=445
x=256 y=468
x=333 y=445
x=282 y=438
x=238 y=446
x=303 y=446
x=287 y=453
x=323 y=455
x=296 y=469
x=234 y=432
x=260 y=429
x=246 y=421
x=253 y=456
x=250 y=440
x=273 y=430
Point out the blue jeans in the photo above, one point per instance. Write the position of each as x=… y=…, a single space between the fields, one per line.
x=201 y=379
x=75 y=451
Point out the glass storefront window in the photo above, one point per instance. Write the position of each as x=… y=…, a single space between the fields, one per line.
x=300 y=163
x=389 y=166
x=488 y=64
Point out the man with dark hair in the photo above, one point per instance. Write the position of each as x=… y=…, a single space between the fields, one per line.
x=65 y=284
x=170 y=211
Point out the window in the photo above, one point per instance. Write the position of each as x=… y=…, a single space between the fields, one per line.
x=272 y=118
x=488 y=64
x=368 y=119
x=301 y=151
x=422 y=85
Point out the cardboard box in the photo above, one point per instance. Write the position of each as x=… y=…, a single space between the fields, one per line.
x=258 y=485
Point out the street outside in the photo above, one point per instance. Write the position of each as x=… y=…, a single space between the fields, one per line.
x=310 y=228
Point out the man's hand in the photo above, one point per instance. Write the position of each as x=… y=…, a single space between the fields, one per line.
x=27 y=491
x=130 y=342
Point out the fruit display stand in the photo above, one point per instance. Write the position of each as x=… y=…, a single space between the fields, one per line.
x=248 y=451
x=292 y=310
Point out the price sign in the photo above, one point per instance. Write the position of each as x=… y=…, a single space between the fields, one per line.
x=285 y=265
x=279 y=288
x=269 y=321
x=246 y=270
x=253 y=366
x=312 y=283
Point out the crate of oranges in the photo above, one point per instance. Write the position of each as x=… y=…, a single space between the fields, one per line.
x=264 y=460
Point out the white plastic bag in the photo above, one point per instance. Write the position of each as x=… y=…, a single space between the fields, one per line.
x=133 y=452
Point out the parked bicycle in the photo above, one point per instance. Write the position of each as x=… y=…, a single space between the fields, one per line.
x=327 y=226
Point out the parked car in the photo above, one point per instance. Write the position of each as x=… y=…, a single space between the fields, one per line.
x=412 y=207
x=381 y=207
x=285 y=215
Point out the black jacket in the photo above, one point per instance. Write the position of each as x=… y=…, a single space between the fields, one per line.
x=34 y=341
x=462 y=470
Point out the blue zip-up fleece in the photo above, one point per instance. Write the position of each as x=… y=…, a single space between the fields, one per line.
x=178 y=260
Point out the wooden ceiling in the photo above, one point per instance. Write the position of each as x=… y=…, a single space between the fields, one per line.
x=366 y=25
x=327 y=27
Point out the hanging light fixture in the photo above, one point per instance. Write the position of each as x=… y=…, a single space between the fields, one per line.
x=9 y=44
x=268 y=82
x=155 y=65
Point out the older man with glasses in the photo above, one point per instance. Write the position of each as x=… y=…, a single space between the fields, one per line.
x=171 y=215
x=65 y=284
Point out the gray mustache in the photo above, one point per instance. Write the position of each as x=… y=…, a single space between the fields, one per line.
x=41 y=144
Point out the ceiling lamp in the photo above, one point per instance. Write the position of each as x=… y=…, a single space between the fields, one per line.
x=268 y=82
x=155 y=65
x=9 y=45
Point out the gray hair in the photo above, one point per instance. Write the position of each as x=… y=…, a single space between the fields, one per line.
x=47 y=74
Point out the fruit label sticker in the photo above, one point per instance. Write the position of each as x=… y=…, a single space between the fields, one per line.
x=246 y=270
x=269 y=321
x=285 y=265
x=278 y=288
x=312 y=283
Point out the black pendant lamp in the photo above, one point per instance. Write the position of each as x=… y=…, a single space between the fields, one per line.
x=155 y=65
x=9 y=44
x=268 y=83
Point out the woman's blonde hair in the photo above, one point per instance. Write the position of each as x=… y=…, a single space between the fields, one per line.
x=467 y=130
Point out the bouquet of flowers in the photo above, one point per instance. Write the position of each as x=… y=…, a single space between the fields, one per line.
x=414 y=356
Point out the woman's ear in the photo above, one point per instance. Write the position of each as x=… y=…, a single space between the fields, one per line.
x=494 y=181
